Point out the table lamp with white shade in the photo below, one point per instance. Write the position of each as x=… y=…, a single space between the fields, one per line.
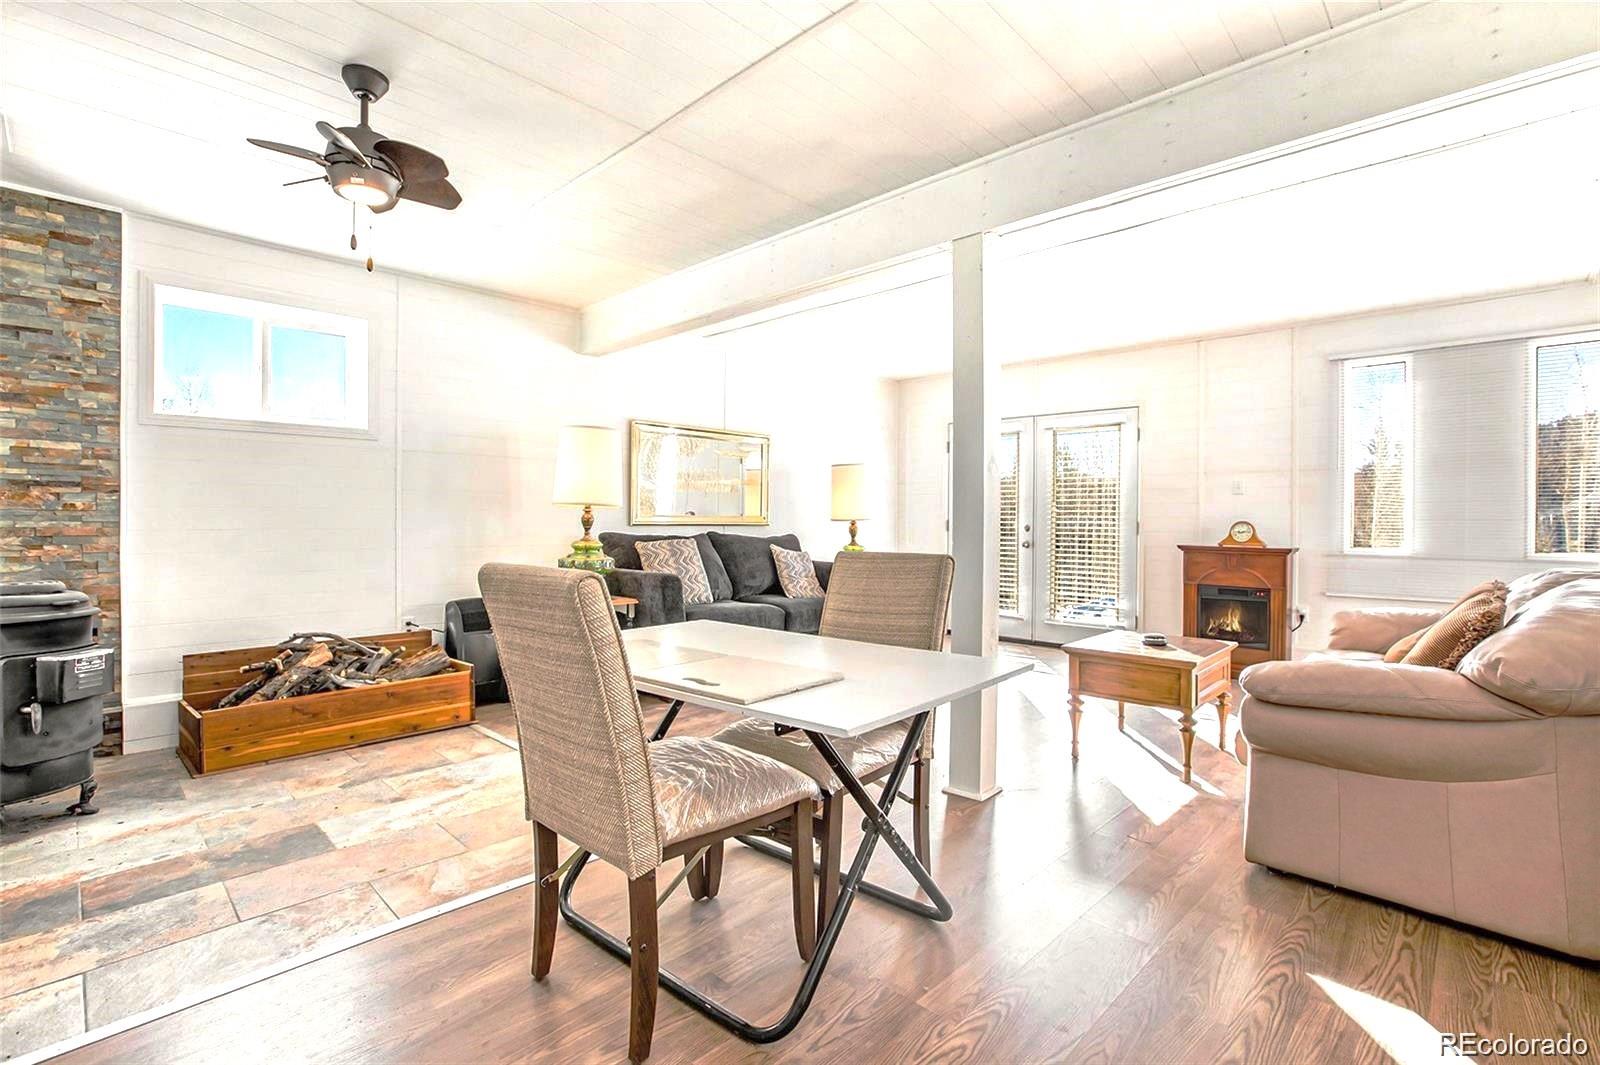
x=588 y=475
x=850 y=498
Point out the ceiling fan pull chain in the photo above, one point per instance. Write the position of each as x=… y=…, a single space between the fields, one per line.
x=353 y=227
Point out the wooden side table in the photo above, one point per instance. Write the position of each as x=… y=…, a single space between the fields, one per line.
x=624 y=606
x=1183 y=676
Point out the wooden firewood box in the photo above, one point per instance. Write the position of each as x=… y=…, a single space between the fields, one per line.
x=211 y=740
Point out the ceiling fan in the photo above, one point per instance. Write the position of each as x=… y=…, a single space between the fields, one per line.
x=367 y=168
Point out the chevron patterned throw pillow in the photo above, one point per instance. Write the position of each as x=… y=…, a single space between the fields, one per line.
x=796 y=573
x=681 y=558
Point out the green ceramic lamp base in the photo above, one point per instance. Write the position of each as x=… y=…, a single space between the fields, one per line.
x=586 y=550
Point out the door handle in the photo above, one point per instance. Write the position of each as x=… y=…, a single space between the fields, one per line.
x=1027 y=543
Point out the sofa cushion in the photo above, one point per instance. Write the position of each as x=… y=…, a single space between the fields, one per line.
x=797 y=574
x=1376 y=630
x=1467 y=624
x=748 y=560
x=760 y=615
x=1377 y=688
x=800 y=614
x=1530 y=586
x=681 y=558
x=622 y=549
x=1546 y=661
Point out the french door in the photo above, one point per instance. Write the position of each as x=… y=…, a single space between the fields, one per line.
x=1069 y=524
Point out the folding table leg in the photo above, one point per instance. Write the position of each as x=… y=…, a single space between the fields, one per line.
x=876 y=824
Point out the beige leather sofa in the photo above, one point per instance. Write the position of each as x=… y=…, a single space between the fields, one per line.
x=1473 y=794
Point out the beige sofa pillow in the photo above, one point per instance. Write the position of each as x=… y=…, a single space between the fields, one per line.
x=1527 y=588
x=1547 y=660
x=1444 y=643
x=1403 y=646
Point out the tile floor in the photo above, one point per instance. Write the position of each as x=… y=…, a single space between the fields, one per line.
x=178 y=884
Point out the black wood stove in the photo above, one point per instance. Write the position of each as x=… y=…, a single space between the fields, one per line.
x=53 y=679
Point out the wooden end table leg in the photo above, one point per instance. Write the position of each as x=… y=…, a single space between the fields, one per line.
x=1224 y=704
x=1186 y=732
x=1119 y=716
x=1075 y=710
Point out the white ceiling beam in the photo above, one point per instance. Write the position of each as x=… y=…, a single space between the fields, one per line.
x=1354 y=78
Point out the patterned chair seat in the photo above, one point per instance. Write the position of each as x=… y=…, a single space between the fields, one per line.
x=703 y=785
x=865 y=755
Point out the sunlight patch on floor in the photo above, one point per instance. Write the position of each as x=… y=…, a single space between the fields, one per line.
x=1402 y=1034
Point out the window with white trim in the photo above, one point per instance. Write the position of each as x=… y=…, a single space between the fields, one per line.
x=1566 y=447
x=222 y=358
x=1375 y=436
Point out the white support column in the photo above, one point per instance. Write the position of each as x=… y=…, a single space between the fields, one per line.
x=974 y=521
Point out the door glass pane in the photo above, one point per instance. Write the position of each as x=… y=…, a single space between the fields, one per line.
x=1010 y=560
x=1085 y=556
x=207 y=363
x=307 y=375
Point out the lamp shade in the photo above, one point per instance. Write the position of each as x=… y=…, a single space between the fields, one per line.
x=589 y=466
x=849 y=492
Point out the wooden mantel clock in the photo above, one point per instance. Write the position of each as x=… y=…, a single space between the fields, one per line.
x=1242 y=534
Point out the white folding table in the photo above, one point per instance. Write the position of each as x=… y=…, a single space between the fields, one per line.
x=880 y=685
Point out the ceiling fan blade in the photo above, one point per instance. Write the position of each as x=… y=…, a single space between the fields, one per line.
x=302 y=181
x=433 y=193
x=338 y=137
x=416 y=164
x=288 y=149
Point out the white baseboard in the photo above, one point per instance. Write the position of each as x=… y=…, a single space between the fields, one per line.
x=983 y=796
x=150 y=743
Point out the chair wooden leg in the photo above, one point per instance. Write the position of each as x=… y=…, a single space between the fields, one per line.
x=921 y=814
x=645 y=964
x=805 y=888
x=544 y=900
x=829 y=829
x=705 y=875
x=713 y=870
x=697 y=876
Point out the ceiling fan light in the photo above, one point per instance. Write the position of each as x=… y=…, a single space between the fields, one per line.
x=363 y=185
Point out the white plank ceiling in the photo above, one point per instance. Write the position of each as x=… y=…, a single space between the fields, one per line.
x=597 y=145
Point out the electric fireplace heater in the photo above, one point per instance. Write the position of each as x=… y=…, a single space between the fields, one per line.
x=1243 y=594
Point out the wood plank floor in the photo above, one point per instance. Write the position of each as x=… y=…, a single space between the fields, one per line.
x=1103 y=913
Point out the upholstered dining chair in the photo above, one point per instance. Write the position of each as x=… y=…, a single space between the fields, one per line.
x=590 y=775
x=884 y=597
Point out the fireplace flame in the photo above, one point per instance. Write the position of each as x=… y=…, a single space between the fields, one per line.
x=1227 y=623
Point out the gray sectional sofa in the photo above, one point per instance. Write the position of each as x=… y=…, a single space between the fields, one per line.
x=744 y=582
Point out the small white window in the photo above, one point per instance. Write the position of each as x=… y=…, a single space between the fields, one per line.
x=1375 y=436
x=220 y=358
x=1566 y=447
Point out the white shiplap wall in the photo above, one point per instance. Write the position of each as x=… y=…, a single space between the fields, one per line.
x=1253 y=414
x=238 y=538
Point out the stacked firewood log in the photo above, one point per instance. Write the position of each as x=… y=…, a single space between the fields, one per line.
x=311 y=662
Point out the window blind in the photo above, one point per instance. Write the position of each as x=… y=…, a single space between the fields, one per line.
x=1010 y=557
x=1085 y=547
x=1566 y=444
x=1472 y=510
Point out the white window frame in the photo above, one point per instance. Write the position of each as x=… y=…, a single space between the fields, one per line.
x=265 y=313
x=1531 y=502
x=1346 y=474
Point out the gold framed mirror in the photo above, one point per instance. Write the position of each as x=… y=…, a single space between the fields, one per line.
x=690 y=475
